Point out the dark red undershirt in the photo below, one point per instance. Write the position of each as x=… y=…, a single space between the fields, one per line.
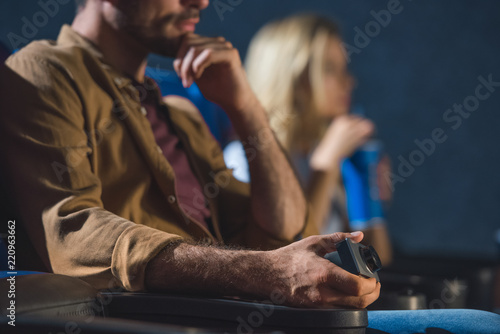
x=188 y=189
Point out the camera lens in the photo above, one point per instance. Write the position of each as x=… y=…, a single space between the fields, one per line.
x=371 y=258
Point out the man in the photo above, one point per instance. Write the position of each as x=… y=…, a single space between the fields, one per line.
x=120 y=190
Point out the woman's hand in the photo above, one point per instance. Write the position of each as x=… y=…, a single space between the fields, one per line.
x=344 y=135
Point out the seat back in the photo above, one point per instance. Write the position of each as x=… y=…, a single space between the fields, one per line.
x=25 y=254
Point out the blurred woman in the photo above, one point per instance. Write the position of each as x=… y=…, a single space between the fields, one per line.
x=298 y=69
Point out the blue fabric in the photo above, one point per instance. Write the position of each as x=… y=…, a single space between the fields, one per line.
x=433 y=321
x=216 y=119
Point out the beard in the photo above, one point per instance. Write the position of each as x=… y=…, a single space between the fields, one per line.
x=159 y=36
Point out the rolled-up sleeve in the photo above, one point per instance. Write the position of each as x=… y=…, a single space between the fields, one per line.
x=44 y=137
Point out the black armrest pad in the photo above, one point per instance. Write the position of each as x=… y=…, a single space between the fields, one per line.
x=50 y=295
x=231 y=315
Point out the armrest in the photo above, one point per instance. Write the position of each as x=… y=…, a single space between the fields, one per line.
x=232 y=316
x=49 y=295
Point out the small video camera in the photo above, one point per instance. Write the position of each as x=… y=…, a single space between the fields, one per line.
x=356 y=258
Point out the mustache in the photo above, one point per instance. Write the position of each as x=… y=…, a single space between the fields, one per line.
x=190 y=14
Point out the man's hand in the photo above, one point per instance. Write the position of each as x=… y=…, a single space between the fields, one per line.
x=306 y=279
x=215 y=65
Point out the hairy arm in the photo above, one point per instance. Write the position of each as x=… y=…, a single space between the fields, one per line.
x=298 y=274
x=206 y=270
x=278 y=203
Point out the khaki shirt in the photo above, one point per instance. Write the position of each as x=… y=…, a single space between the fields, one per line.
x=96 y=195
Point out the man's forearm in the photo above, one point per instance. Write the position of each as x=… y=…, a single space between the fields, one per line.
x=298 y=274
x=278 y=203
x=186 y=268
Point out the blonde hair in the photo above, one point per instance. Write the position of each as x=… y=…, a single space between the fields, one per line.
x=285 y=68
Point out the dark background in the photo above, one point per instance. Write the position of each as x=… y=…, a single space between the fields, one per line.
x=426 y=59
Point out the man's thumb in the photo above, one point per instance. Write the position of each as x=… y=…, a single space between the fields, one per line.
x=327 y=243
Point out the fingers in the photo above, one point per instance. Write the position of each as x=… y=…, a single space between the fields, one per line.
x=190 y=40
x=350 y=284
x=360 y=122
x=324 y=244
x=326 y=297
x=209 y=57
x=352 y=128
x=185 y=72
x=336 y=277
x=367 y=127
x=197 y=53
x=364 y=126
x=317 y=282
x=332 y=298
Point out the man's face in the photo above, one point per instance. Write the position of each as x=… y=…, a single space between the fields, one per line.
x=158 y=24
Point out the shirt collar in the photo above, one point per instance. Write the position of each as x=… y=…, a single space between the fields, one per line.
x=69 y=37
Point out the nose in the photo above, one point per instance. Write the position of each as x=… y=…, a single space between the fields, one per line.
x=198 y=4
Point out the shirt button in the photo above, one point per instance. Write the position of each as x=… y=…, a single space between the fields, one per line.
x=158 y=148
x=171 y=199
x=144 y=112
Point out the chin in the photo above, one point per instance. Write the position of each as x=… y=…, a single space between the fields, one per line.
x=167 y=47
